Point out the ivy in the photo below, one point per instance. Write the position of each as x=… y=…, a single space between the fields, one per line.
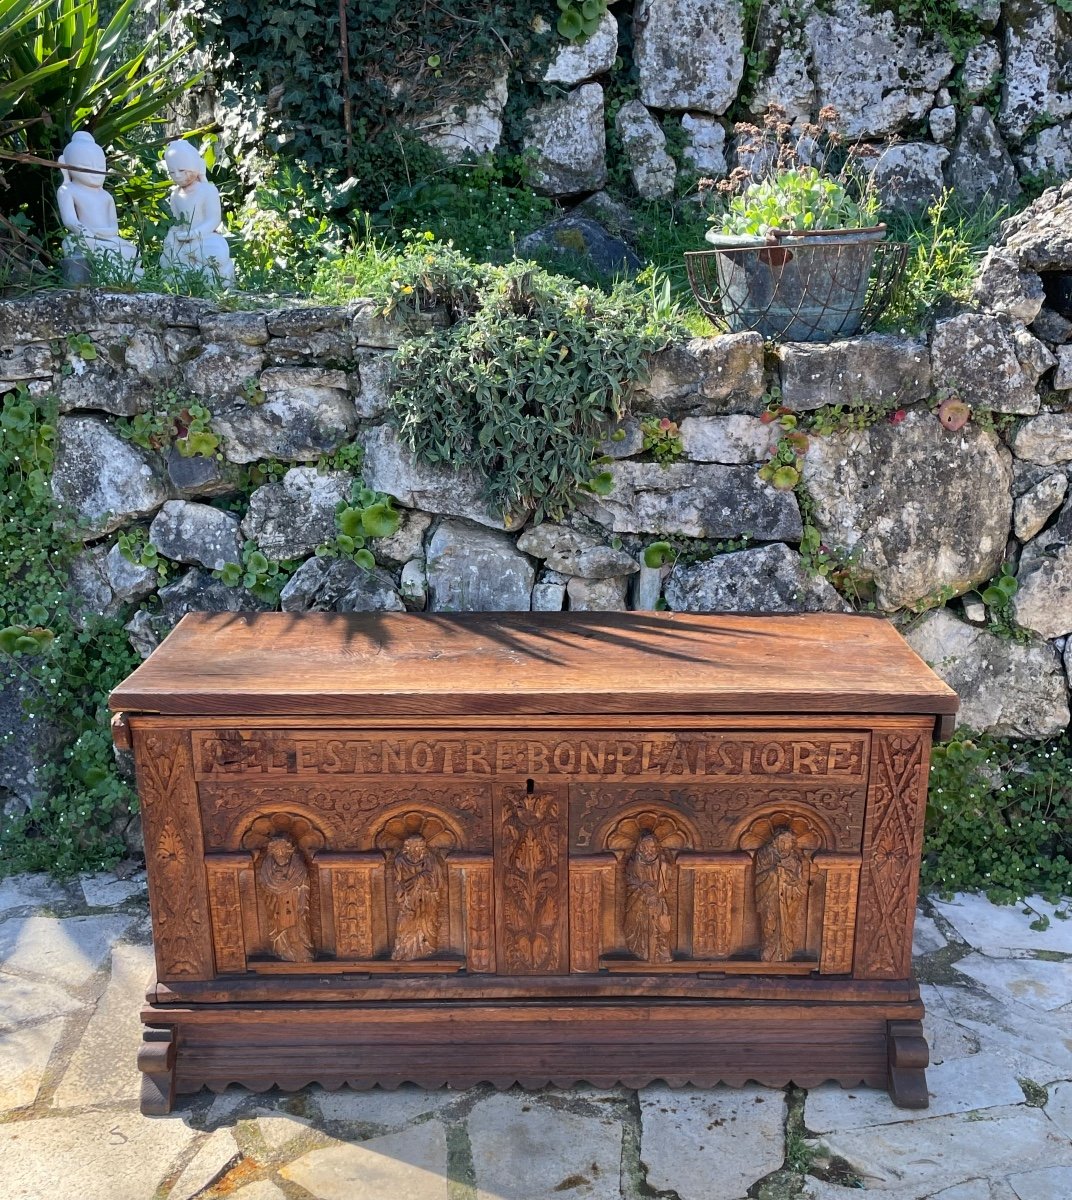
x=999 y=818
x=63 y=668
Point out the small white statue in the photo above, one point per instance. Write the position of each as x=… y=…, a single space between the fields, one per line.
x=195 y=241
x=88 y=212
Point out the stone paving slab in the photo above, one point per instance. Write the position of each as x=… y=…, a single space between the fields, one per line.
x=1000 y=931
x=71 y=982
x=712 y=1143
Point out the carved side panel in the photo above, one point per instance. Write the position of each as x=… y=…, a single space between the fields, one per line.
x=530 y=837
x=356 y=911
x=479 y=916
x=842 y=878
x=178 y=891
x=717 y=903
x=893 y=837
x=592 y=902
x=225 y=902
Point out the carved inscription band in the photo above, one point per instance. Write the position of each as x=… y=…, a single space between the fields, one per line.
x=712 y=756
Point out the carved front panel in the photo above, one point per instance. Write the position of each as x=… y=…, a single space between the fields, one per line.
x=530 y=853
x=174 y=856
x=893 y=840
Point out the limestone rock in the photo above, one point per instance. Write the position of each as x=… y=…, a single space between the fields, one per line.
x=1002 y=287
x=548 y=596
x=307 y=320
x=1035 y=507
x=653 y=170
x=647 y=587
x=689 y=53
x=44 y=315
x=475 y=130
x=1034 y=86
x=767 y=579
x=374 y=392
x=732 y=439
x=34 y=740
x=974 y=355
x=101 y=386
x=617 y=219
x=598 y=595
x=1043 y=602
x=697 y=500
x=704 y=376
x=943 y=123
x=909 y=175
x=220 y=371
x=1062 y=377
x=575 y=62
x=389 y=467
x=705 y=146
x=921 y=509
x=1033 y=356
x=878 y=75
x=574 y=552
x=1006 y=688
x=1052 y=327
x=406 y=542
x=1048 y=154
x=339 y=585
x=248 y=328
x=413 y=585
x=290 y=519
x=33 y=360
x=625 y=440
x=292 y=424
x=578 y=238
x=105 y=481
x=569 y=143
x=1040 y=237
x=197 y=591
x=789 y=85
x=877 y=368
x=370 y=329
x=981 y=170
x=473 y=569
x=982 y=66
x=105 y=581
x=1046 y=439
x=185 y=531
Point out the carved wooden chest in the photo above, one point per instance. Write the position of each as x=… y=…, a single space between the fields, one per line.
x=532 y=848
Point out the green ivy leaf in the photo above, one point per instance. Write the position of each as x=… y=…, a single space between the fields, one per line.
x=380 y=520
x=349 y=521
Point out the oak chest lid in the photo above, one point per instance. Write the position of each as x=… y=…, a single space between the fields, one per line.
x=393 y=664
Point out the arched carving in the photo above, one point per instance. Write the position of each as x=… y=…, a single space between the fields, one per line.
x=283 y=845
x=782 y=846
x=647 y=845
x=414 y=844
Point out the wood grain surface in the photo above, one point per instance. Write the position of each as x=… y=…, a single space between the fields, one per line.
x=472 y=663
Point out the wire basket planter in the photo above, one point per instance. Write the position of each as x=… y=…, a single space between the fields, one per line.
x=795 y=287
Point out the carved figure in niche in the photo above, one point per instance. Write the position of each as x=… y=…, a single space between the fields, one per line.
x=782 y=847
x=414 y=846
x=283 y=877
x=418 y=886
x=648 y=924
x=647 y=845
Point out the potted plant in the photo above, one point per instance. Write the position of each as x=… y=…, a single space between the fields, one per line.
x=796 y=243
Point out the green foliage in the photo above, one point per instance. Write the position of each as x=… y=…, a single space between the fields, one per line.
x=348 y=119
x=997 y=596
x=580 y=18
x=800 y=198
x=174 y=420
x=66 y=670
x=999 y=818
x=522 y=387
x=135 y=547
x=951 y=22
x=945 y=246
x=368 y=514
x=661 y=438
x=265 y=579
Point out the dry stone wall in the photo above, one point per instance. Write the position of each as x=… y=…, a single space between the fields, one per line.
x=925 y=513
x=980 y=110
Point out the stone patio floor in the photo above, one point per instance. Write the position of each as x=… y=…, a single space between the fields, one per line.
x=76 y=958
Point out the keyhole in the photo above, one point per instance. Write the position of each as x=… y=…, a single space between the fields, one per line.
x=530 y=786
